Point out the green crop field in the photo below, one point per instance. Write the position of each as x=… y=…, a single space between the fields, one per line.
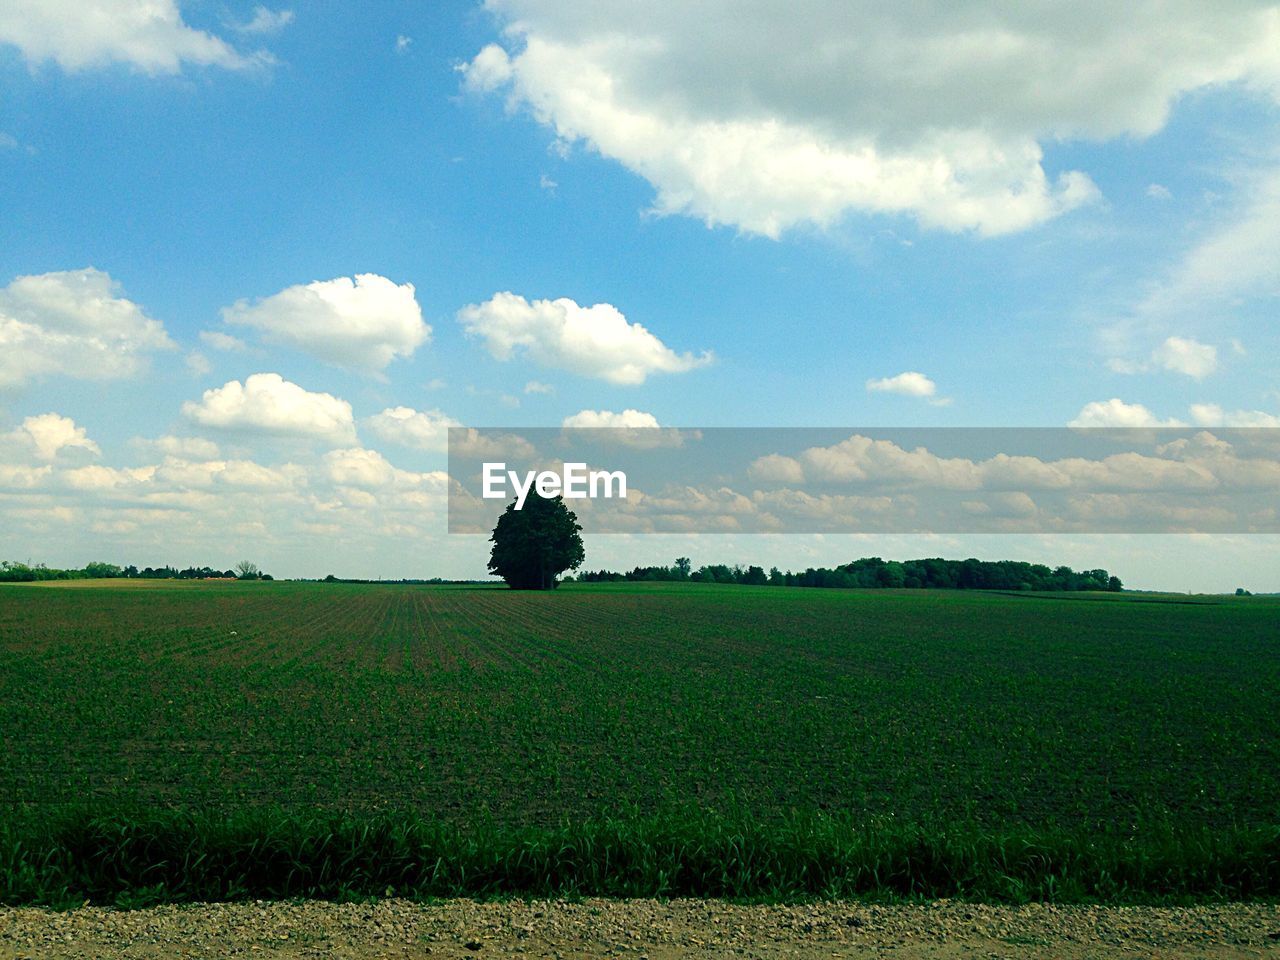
x=797 y=741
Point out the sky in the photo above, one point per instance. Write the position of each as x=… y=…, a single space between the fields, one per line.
x=254 y=260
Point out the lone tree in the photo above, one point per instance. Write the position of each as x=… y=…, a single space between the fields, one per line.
x=248 y=570
x=531 y=547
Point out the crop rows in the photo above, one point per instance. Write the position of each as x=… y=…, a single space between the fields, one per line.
x=462 y=706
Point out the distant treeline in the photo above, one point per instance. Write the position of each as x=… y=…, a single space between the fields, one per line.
x=433 y=581
x=933 y=573
x=13 y=572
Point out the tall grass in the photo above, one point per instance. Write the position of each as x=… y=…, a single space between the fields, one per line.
x=135 y=858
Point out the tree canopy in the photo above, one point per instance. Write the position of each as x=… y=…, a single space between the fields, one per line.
x=932 y=573
x=11 y=571
x=534 y=545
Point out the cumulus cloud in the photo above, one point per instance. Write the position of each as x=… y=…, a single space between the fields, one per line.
x=630 y=428
x=774 y=468
x=1117 y=413
x=19 y=476
x=1187 y=356
x=470 y=443
x=536 y=386
x=185 y=493
x=267 y=403
x=908 y=384
x=1212 y=415
x=361 y=324
x=357 y=467
x=1183 y=355
x=77 y=34
x=367 y=469
x=422 y=429
x=179 y=473
x=186 y=448
x=801 y=115
x=596 y=341
x=75 y=323
x=868 y=462
x=595 y=419
x=99 y=479
x=49 y=433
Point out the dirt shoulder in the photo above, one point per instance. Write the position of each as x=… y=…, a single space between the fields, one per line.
x=639 y=928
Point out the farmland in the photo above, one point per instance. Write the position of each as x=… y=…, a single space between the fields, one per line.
x=476 y=710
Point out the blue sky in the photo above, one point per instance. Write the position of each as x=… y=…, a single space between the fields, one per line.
x=820 y=218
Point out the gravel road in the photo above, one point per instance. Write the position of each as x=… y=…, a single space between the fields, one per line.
x=639 y=929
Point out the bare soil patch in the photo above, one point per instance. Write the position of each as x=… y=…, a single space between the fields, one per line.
x=640 y=928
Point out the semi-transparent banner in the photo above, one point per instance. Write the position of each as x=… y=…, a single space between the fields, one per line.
x=873 y=480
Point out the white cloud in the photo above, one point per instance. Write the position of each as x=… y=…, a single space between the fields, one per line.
x=909 y=384
x=49 y=433
x=486 y=445
x=150 y=36
x=186 y=448
x=423 y=429
x=599 y=419
x=489 y=69
x=74 y=323
x=800 y=115
x=867 y=462
x=22 y=477
x=595 y=341
x=220 y=510
x=1236 y=260
x=370 y=470
x=775 y=468
x=1184 y=355
x=358 y=467
x=537 y=386
x=630 y=428
x=1157 y=191
x=98 y=479
x=861 y=458
x=403 y=43
x=221 y=341
x=1212 y=415
x=1117 y=413
x=179 y=473
x=1241 y=257
x=266 y=21
x=362 y=323
x=267 y=403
